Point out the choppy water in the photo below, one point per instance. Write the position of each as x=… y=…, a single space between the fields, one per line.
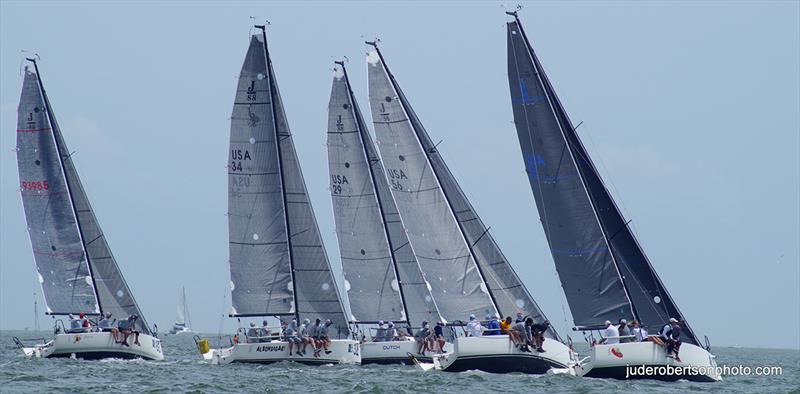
x=183 y=371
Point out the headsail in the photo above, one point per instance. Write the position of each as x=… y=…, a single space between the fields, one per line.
x=603 y=270
x=278 y=263
x=112 y=291
x=444 y=254
x=375 y=250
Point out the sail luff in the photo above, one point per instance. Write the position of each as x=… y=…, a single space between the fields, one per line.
x=58 y=140
x=272 y=88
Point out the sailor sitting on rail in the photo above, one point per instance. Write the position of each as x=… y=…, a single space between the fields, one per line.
x=671 y=334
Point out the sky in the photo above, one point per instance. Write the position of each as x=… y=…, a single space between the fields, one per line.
x=690 y=109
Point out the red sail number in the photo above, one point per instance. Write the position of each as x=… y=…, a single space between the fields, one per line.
x=35 y=185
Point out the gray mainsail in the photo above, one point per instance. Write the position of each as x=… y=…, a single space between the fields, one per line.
x=444 y=254
x=604 y=272
x=286 y=270
x=112 y=292
x=384 y=281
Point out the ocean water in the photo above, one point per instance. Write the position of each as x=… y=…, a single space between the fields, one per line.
x=184 y=371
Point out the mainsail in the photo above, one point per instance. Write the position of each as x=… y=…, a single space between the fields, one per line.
x=437 y=237
x=277 y=260
x=603 y=270
x=76 y=268
x=182 y=317
x=383 y=278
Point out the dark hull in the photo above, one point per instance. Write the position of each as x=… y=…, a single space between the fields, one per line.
x=99 y=355
x=621 y=374
x=504 y=363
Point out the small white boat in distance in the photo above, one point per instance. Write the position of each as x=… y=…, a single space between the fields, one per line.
x=75 y=266
x=183 y=323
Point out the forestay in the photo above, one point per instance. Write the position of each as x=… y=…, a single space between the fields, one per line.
x=603 y=270
x=441 y=249
x=373 y=246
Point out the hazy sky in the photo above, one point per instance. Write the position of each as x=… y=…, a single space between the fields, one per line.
x=689 y=109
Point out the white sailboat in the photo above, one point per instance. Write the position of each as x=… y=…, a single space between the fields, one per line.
x=74 y=263
x=183 y=323
x=278 y=264
x=603 y=270
x=463 y=267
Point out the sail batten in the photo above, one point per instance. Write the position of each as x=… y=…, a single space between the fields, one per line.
x=603 y=270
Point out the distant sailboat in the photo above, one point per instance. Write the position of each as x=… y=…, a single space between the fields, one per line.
x=462 y=264
x=75 y=266
x=278 y=263
x=603 y=269
x=183 y=323
x=382 y=277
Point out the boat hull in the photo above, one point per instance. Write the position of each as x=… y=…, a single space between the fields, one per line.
x=395 y=352
x=343 y=351
x=497 y=354
x=97 y=345
x=614 y=361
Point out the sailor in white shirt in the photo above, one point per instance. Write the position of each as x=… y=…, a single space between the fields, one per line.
x=611 y=334
x=474 y=328
x=639 y=333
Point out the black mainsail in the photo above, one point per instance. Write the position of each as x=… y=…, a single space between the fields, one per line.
x=603 y=269
x=384 y=281
x=421 y=179
x=277 y=260
x=77 y=271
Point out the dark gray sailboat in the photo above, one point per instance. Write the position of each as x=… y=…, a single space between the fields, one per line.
x=463 y=264
x=604 y=272
x=383 y=278
x=278 y=264
x=76 y=268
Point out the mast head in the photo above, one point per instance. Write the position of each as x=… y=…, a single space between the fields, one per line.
x=374 y=44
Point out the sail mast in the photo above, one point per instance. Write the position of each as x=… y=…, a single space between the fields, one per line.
x=403 y=103
x=561 y=126
x=55 y=133
x=271 y=77
x=360 y=125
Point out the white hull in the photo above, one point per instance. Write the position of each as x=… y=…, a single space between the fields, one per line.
x=394 y=352
x=342 y=351
x=184 y=330
x=497 y=354
x=612 y=361
x=97 y=345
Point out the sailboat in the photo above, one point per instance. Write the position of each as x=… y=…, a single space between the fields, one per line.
x=183 y=323
x=382 y=277
x=603 y=270
x=278 y=263
x=76 y=269
x=463 y=266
